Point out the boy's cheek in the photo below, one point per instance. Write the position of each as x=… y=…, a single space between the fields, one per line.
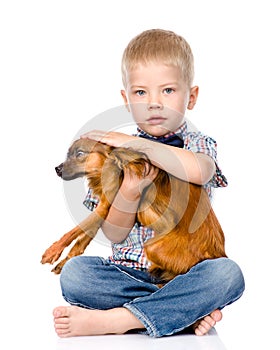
x=138 y=110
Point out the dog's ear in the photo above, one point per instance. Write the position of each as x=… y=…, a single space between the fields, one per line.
x=128 y=155
x=125 y=158
x=101 y=148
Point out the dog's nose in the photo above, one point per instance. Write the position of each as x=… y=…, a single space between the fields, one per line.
x=58 y=170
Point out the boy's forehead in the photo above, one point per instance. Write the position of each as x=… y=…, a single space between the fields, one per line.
x=153 y=71
x=146 y=64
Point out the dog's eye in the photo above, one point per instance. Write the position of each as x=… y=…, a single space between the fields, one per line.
x=80 y=154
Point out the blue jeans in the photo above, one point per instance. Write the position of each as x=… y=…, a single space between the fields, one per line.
x=94 y=283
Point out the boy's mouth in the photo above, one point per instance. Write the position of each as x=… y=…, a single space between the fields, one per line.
x=156 y=119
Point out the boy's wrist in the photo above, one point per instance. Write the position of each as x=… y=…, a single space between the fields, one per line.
x=130 y=195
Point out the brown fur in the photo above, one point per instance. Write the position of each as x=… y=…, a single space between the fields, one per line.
x=180 y=213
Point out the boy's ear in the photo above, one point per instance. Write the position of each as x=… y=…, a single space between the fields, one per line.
x=123 y=93
x=193 y=97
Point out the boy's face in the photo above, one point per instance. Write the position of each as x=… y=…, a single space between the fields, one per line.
x=158 y=97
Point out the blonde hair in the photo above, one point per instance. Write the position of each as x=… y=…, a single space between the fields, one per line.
x=159 y=45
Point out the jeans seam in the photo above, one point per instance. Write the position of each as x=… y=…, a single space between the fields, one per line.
x=127 y=274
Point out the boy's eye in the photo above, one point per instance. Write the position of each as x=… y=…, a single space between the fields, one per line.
x=140 y=92
x=168 y=91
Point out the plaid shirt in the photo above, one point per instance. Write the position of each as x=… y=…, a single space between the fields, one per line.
x=130 y=252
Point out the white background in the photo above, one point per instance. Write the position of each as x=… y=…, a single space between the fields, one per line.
x=60 y=66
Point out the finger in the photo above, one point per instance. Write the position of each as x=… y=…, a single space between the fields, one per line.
x=152 y=172
x=96 y=135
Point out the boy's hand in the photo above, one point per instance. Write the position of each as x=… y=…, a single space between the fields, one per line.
x=111 y=138
x=133 y=185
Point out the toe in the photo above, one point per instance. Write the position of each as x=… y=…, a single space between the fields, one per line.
x=200 y=330
x=62 y=333
x=216 y=315
x=204 y=326
x=209 y=322
x=61 y=325
x=61 y=311
x=61 y=322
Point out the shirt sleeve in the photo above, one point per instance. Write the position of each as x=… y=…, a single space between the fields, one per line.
x=200 y=143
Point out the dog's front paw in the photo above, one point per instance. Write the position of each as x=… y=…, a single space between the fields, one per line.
x=57 y=269
x=51 y=255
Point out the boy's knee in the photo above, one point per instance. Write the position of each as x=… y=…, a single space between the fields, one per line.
x=71 y=276
x=229 y=277
x=222 y=277
x=69 y=265
x=77 y=276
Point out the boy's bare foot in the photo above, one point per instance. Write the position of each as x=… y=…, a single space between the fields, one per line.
x=204 y=325
x=71 y=321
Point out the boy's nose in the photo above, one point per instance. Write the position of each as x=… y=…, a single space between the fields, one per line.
x=155 y=103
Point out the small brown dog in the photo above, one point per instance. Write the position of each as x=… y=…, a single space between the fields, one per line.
x=180 y=213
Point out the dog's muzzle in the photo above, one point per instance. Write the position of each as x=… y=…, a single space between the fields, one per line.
x=58 y=170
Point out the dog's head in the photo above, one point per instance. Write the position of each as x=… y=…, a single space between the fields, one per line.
x=83 y=156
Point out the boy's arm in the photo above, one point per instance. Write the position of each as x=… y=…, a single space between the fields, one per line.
x=197 y=168
x=122 y=214
x=188 y=166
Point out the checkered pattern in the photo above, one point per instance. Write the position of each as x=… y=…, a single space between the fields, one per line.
x=130 y=252
x=91 y=201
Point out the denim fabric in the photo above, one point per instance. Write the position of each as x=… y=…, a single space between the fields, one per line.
x=94 y=283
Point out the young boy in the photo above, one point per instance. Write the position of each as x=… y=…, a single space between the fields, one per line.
x=117 y=295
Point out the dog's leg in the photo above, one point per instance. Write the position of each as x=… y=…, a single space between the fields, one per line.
x=78 y=249
x=89 y=226
x=84 y=233
x=53 y=253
